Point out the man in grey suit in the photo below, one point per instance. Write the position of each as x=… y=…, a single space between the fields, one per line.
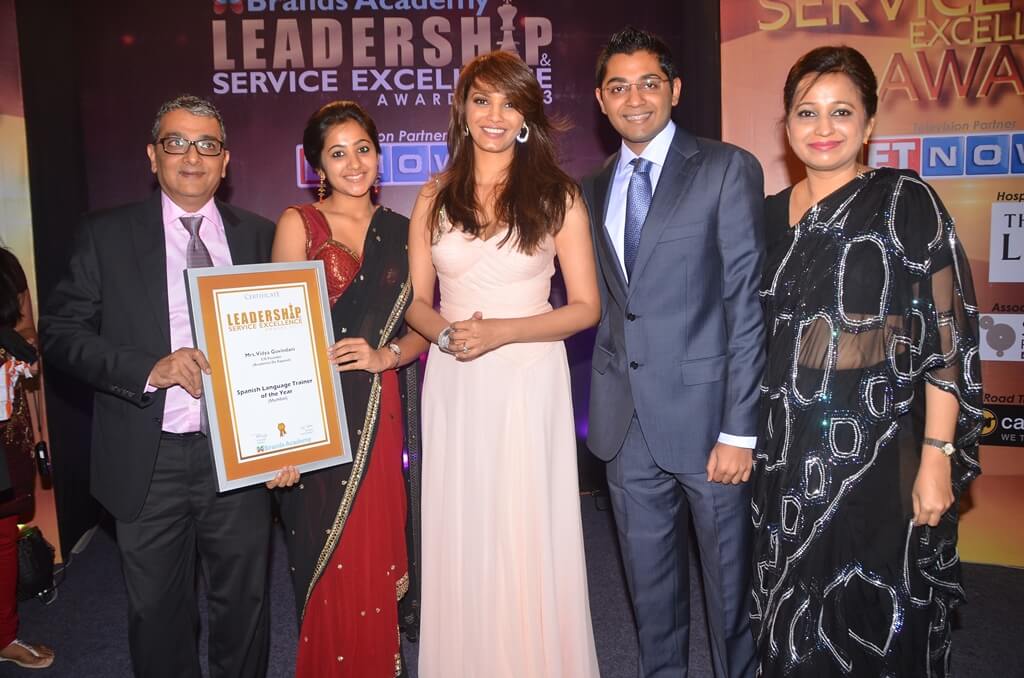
x=673 y=405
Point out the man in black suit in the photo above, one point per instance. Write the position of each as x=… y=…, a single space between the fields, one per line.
x=119 y=320
x=678 y=358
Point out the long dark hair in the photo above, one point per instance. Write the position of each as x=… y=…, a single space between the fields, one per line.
x=536 y=193
x=10 y=304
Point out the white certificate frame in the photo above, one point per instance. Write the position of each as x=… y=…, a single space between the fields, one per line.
x=235 y=402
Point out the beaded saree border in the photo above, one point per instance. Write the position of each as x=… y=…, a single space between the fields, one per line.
x=362 y=452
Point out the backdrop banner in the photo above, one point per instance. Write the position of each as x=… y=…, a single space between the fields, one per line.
x=269 y=64
x=951 y=107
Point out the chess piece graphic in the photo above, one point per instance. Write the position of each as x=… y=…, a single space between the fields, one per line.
x=507 y=11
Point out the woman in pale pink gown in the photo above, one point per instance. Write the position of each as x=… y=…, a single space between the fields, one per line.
x=504 y=588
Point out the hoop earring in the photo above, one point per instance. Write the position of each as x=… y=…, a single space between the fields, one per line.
x=524 y=133
x=322 y=188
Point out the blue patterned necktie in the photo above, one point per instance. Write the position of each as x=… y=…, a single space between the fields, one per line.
x=196 y=254
x=638 y=201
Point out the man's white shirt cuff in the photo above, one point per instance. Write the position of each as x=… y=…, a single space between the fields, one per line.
x=748 y=442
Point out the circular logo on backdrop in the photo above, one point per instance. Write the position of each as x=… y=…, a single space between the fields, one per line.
x=990 y=422
x=999 y=336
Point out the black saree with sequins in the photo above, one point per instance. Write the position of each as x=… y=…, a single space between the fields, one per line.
x=867 y=299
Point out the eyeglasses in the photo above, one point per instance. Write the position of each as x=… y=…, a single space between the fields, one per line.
x=179 y=146
x=620 y=90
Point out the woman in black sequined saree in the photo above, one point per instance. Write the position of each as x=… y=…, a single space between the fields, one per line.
x=870 y=401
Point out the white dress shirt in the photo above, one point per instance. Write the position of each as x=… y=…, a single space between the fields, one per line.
x=615 y=220
x=182 y=411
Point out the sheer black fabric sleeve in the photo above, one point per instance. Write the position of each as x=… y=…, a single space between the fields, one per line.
x=946 y=338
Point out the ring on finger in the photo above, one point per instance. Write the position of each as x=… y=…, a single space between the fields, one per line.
x=465 y=348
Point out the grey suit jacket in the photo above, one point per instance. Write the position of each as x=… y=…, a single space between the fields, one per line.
x=682 y=343
x=107 y=322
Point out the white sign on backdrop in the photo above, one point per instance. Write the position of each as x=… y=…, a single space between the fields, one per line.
x=1006 y=243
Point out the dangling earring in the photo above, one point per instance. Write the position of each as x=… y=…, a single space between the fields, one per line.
x=465 y=130
x=524 y=133
x=322 y=189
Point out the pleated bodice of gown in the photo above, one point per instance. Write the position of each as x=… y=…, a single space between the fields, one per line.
x=491 y=277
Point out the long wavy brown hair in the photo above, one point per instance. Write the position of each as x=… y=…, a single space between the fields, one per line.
x=536 y=192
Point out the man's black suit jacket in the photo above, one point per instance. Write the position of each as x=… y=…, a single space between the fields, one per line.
x=107 y=323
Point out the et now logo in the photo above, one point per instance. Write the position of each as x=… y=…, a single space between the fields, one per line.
x=951 y=156
x=401 y=164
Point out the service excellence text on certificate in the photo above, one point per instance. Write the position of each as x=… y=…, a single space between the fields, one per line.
x=274 y=387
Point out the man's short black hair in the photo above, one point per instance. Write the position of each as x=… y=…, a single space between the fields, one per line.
x=630 y=40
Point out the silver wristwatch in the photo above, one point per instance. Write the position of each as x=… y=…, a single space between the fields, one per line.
x=945 y=447
x=444 y=339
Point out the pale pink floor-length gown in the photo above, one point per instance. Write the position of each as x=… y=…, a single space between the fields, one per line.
x=504 y=589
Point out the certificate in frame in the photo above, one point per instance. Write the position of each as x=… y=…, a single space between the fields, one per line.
x=272 y=397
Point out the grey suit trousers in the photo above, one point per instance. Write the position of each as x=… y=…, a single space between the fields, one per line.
x=651 y=508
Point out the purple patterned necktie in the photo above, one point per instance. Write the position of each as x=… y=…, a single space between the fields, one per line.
x=638 y=202
x=196 y=254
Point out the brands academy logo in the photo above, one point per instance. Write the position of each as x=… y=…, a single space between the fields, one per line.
x=397 y=53
x=222 y=6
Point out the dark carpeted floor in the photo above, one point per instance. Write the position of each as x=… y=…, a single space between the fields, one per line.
x=86 y=624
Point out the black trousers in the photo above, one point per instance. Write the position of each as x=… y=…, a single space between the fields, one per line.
x=184 y=517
